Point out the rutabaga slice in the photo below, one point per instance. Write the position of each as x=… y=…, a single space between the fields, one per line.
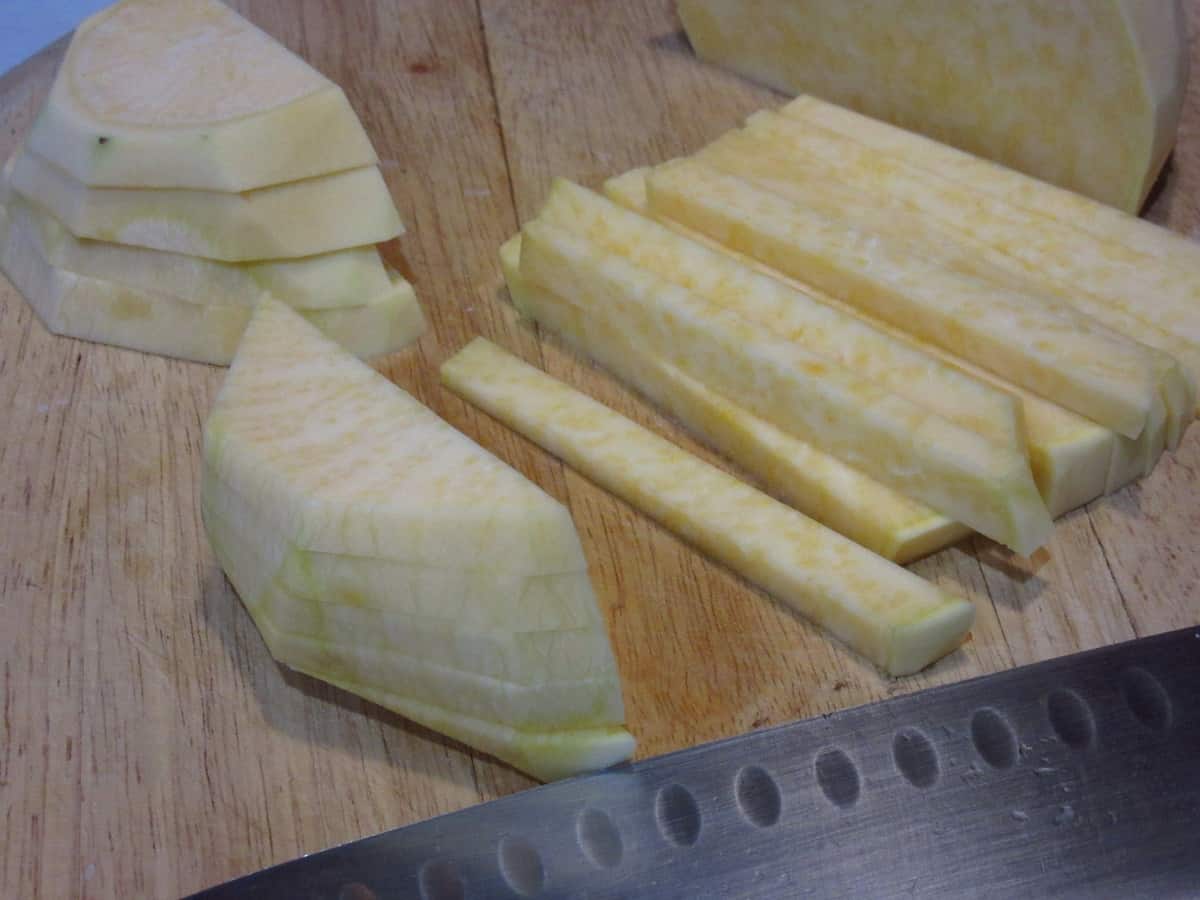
x=1070 y=455
x=897 y=620
x=1083 y=93
x=909 y=448
x=105 y=312
x=301 y=218
x=815 y=483
x=330 y=280
x=1060 y=355
x=309 y=451
x=788 y=312
x=965 y=230
x=188 y=94
x=1087 y=218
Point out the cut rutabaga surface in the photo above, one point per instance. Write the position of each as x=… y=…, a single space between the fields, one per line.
x=381 y=550
x=909 y=448
x=965 y=230
x=187 y=94
x=897 y=620
x=302 y=218
x=330 y=280
x=93 y=309
x=788 y=312
x=1071 y=456
x=1087 y=217
x=1082 y=93
x=1057 y=353
x=815 y=483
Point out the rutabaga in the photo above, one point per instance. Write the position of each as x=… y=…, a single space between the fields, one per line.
x=897 y=620
x=107 y=312
x=188 y=94
x=911 y=449
x=815 y=483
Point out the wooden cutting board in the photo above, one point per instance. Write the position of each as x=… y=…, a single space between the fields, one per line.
x=149 y=744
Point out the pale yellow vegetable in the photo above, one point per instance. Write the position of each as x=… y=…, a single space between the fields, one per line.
x=788 y=312
x=188 y=94
x=1070 y=455
x=1057 y=353
x=909 y=448
x=960 y=228
x=327 y=281
x=93 y=309
x=815 y=483
x=1088 y=218
x=897 y=620
x=381 y=550
x=1082 y=93
x=331 y=212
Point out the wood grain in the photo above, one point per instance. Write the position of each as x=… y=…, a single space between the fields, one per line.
x=151 y=747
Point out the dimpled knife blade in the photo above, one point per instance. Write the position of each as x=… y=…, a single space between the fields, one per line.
x=1076 y=777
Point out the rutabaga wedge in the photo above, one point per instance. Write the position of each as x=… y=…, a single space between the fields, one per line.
x=1088 y=218
x=967 y=230
x=317 y=468
x=1071 y=456
x=815 y=483
x=329 y=280
x=1058 y=354
x=301 y=218
x=897 y=620
x=788 y=312
x=105 y=312
x=188 y=94
x=951 y=469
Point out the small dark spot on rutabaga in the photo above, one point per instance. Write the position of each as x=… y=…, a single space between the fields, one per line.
x=102 y=140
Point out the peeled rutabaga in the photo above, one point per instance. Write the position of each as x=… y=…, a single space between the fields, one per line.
x=188 y=94
x=202 y=329
x=381 y=550
x=1086 y=94
x=897 y=620
x=301 y=218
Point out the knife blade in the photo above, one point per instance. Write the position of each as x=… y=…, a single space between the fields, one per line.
x=1075 y=777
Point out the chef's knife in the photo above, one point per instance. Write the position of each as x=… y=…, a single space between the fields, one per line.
x=1077 y=777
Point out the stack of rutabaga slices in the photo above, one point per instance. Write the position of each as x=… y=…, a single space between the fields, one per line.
x=186 y=165
x=381 y=550
x=901 y=341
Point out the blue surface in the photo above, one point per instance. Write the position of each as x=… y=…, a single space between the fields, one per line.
x=26 y=26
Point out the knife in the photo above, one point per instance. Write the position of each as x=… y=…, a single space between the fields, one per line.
x=1075 y=777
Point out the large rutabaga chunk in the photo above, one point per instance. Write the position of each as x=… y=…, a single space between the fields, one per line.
x=381 y=550
x=188 y=94
x=1082 y=93
x=895 y=619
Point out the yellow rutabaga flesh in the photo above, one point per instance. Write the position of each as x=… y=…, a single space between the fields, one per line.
x=1056 y=353
x=1070 y=455
x=381 y=550
x=897 y=620
x=1082 y=93
x=327 y=281
x=302 y=218
x=815 y=483
x=187 y=94
x=909 y=448
x=790 y=313
x=1089 y=220
x=963 y=229
x=94 y=309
